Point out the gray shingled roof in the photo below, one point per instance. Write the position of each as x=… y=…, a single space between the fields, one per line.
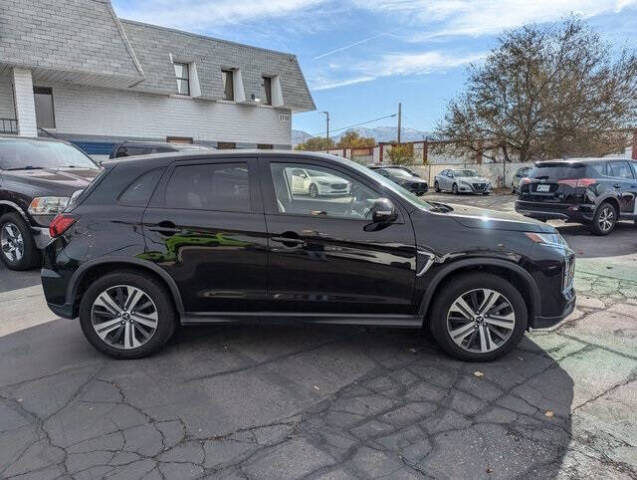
x=81 y=36
x=154 y=47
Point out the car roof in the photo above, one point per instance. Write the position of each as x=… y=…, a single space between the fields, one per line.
x=580 y=161
x=169 y=157
x=33 y=139
x=177 y=146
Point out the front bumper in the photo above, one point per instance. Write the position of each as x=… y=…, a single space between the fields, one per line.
x=547 y=322
x=464 y=188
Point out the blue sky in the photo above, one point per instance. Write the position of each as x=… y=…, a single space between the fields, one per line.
x=362 y=57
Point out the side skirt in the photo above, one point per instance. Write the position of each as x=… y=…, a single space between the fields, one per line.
x=264 y=318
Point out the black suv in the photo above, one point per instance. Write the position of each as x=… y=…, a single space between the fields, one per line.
x=404 y=177
x=224 y=237
x=37 y=180
x=595 y=192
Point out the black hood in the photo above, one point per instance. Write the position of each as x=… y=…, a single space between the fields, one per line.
x=473 y=217
x=52 y=181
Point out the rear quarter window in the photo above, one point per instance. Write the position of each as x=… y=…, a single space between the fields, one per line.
x=138 y=193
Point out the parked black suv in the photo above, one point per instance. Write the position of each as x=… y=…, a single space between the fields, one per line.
x=37 y=179
x=595 y=192
x=225 y=237
x=404 y=177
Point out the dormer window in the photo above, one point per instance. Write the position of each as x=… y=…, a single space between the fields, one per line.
x=227 y=79
x=267 y=90
x=182 y=74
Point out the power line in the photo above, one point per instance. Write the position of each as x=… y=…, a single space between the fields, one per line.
x=356 y=125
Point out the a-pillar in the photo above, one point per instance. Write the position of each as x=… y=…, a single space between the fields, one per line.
x=24 y=102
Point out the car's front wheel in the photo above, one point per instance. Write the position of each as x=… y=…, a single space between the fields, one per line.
x=127 y=315
x=17 y=247
x=436 y=187
x=454 y=189
x=604 y=220
x=314 y=192
x=478 y=317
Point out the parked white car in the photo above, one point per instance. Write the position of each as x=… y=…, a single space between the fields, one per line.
x=317 y=184
x=461 y=180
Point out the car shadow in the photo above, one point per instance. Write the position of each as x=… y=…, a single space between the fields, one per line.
x=350 y=401
x=621 y=241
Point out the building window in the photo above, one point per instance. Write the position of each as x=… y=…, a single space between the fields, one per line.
x=265 y=146
x=179 y=140
x=226 y=145
x=183 y=78
x=44 y=111
x=227 y=78
x=267 y=90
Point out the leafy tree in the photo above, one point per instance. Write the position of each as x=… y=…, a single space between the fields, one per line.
x=315 y=144
x=352 y=139
x=545 y=92
x=402 y=154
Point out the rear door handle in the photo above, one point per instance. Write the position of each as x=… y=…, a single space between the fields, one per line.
x=166 y=228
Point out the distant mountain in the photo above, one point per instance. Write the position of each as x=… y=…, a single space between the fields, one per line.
x=381 y=134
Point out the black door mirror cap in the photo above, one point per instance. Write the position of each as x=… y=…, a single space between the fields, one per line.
x=383 y=211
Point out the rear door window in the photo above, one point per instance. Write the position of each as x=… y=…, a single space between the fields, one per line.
x=215 y=186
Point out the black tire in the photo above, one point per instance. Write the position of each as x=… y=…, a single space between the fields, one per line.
x=154 y=289
x=607 y=211
x=454 y=189
x=313 y=191
x=459 y=285
x=485 y=193
x=31 y=257
x=436 y=187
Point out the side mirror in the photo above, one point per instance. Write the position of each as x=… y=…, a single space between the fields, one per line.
x=383 y=211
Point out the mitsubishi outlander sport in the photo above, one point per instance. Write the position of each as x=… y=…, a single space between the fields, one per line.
x=224 y=237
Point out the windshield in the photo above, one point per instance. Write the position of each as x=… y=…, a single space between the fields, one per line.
x=21 y=154
x=398 y=172
x=387 y=183
x=465 y=173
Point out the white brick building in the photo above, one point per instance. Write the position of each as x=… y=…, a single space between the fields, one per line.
x=72 y=69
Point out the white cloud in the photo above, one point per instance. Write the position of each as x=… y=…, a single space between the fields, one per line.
x=480 y=17
x=395 y=64
x=201 y=14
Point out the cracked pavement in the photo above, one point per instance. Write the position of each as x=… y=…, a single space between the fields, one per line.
x=244 y=402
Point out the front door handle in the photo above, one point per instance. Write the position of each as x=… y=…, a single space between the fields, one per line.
x=290 y=240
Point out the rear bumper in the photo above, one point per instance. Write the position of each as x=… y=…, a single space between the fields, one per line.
x=55 y=291
x=555 y=211
x=41 y=237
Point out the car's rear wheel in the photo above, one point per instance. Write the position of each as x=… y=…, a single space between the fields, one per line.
x=605 y=219
x=17 y=247
x=436 y=187
x=478 y=317
x=127 y=315
x=454 y=189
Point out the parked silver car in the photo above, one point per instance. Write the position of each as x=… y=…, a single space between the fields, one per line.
x=461 y=180
x=519 y=175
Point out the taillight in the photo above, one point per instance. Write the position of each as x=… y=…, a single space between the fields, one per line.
x=525 y=180
x=579 y=182
x=60 y=224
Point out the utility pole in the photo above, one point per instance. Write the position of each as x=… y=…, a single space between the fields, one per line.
x=400 y=115
x=327 y=121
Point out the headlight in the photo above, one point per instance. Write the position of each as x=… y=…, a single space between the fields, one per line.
x=324 y=183
x=551 y=239
x=48 y=205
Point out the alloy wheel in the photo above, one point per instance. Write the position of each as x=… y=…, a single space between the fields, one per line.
x=606 y=219
x=124 y=317
x=481 y=320
x=12 y=242
x=313 y=191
